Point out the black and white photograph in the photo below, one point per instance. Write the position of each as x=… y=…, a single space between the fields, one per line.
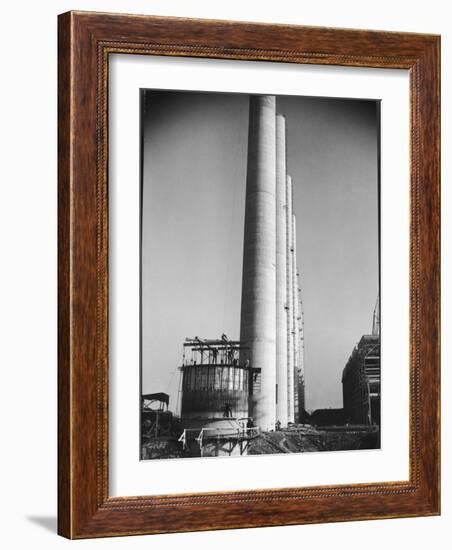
x=226 y=255
x=260 y=274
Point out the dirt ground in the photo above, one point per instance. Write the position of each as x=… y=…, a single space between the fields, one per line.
x=297 y=439
x=309 y=439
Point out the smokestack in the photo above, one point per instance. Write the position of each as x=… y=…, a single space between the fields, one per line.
x=295 y=315
x=281 y=272
x=301 y=399
x=258 y=315
x=290 y=302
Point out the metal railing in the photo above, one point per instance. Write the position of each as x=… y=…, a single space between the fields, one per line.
x=218 y=434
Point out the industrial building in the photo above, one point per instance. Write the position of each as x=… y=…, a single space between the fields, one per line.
x=157 y=426
x=156 y=419
x=217 y=382
x=217 y=379
x=361 y=378
x=327 y=417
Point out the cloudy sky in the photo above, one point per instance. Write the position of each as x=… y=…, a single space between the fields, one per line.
x=194 y=177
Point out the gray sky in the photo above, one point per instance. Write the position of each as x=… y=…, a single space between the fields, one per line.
x=194 y=177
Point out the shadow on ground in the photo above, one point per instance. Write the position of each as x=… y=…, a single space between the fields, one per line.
x=49 y=523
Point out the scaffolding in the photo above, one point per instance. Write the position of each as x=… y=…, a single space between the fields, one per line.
x=361 y=382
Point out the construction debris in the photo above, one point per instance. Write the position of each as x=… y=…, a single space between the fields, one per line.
x=302 y=439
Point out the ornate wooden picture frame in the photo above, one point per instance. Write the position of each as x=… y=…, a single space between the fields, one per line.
x=86 y=41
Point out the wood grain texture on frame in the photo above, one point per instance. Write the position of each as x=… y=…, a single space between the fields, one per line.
x=85 y=42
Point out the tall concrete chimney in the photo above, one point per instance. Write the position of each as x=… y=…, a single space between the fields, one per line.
x=290 y=302
x=301 y=400
x=281 y=272
x=258 y=315
x=295 y=316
